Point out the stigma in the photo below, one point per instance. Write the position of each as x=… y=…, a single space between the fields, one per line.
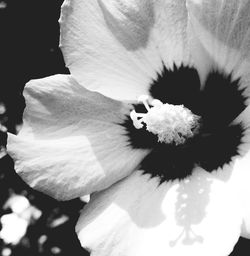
x=173 y=124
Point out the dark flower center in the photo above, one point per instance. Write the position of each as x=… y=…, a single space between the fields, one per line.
x=218 y=103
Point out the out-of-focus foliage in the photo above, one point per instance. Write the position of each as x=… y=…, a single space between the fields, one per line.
x=50 y=224
x=31 y=223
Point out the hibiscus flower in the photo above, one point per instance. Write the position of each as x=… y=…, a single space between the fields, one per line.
x=169 y=173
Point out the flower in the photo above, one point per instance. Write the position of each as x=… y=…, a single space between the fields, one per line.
x=85 y=133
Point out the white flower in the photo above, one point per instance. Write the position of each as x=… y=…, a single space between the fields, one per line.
x=147 y=197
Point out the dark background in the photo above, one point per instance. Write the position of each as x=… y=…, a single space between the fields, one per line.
x=29 y=35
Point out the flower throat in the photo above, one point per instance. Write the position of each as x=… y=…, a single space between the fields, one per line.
x=185 y=126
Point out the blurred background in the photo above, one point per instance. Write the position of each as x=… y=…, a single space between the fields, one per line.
x=31 y=223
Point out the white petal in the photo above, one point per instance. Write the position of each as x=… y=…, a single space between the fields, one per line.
x=223 y=28
x=117 y=47
x=138 y=217
x=241 y=181
x=71 y=143
x=240 y=177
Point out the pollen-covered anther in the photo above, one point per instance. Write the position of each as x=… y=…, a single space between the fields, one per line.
x=171 y=123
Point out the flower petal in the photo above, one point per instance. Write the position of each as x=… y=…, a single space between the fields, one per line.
x=71 y=143
x=137 y=216
x=223 y=28
x=240 y=177
x=117 y=47
x=241 y=180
